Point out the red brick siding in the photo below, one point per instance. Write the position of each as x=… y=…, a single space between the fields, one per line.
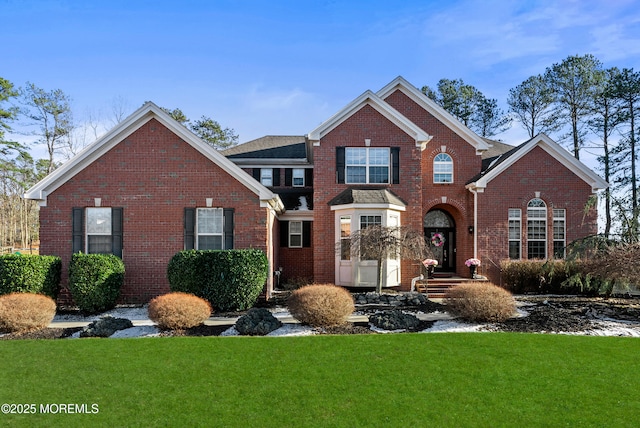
x=559 y=188
x=153 y=175
x=365 y=124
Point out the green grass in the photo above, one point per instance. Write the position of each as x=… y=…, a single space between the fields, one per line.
x=456 y=380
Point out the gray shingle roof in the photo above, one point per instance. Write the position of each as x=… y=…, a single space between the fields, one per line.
x=367 y=196
x=270 y=147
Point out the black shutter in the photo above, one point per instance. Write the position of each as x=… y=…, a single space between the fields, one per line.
x=256 y=173
x=228 y=228
x=308 y=177
x=189 y=228
x=77 y=230
x=288 y=180
x=284 y=233
x=395 y=165
x=340 y=164
x=306 y=234
x=116 y=231
x=276 y=176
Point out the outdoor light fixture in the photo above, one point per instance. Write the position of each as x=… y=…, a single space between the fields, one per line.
x=470 y=229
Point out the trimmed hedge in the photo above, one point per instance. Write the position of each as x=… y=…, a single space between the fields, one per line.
x=27 y=273
x=178 y=310
x=480 y=302
x=321 y=305
x=95 y=281
x=231 y=280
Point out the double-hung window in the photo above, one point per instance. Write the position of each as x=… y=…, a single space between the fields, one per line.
x=97 y=230
x=368 y=221
x=367 y=165
x=559 y=233
x=515 y=225
x=298 y=177
x=295 y=234
x=537 y=229
x=209 y=226
x=266 y=176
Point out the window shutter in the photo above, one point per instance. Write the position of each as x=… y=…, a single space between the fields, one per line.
x=228 y=228
x=288 y=180
x=395 y=165
x=189 y=228
x=306 y=234
x=284 y=233
x=276 y=176
x=256 y=173
x=77 y=230
x=340 y=164
x=116 y=231
x=308 y=177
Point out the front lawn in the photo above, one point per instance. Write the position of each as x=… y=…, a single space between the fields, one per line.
x=492 y=379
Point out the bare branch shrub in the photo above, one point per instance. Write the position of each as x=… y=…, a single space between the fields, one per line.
x=321 y=305
x=25 y=311
x=480 y=302
x=178 y=310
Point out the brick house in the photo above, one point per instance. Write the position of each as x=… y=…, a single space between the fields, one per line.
x=150 y=188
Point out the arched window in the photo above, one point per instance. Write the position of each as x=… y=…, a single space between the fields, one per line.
x=442 y=168
x=536 y=229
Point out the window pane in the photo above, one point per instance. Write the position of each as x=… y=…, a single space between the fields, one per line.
x=298 y=177
x=295 y=227
x=514 y=230
x=370 y=220
x=208 y=242
x=442 y=168
x=379 y=157
x=210 y=220
x=356 y=174
x=99 y=221
x=345 y=238
x=536 y=229
x=379 y=174
x=356 y=156
x=99 y=244
x=295 y=240
x=514 y=250
x=558 y=229
x=537 y=250
x=266 y=176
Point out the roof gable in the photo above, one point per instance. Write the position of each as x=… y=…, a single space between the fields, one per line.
x=501 y=163
x=120 y=132
x=400 y=84
x=378 y=104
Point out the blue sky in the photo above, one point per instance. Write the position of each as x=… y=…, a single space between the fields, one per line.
x=283 y=67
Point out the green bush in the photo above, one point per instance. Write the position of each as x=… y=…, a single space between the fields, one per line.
x=95 y=281
x=30 y=274
x=231 y=280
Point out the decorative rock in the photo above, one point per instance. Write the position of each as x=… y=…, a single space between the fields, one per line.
x=105 y=327
x=257 y=322
x=394 y=320
x=397 y=299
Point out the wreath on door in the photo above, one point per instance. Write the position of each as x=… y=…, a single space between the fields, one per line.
x=437 y=239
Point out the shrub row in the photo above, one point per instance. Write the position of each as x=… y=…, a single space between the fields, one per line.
x=30 y=274
x=231 y=280
x=553 y=277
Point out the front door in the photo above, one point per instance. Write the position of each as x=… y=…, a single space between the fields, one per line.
x=440 y=234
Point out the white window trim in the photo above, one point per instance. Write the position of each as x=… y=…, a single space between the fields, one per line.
x=435 y=162
x=86 y=226
x=559 y=218
x=300 y=172
x=367 y=165
x=517 y=218
x=295 y=234
x=198 y=234
x=542 y=219
x=266 y=176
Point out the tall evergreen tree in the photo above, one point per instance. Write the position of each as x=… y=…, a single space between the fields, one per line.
x=575 y=83
x=531 y=102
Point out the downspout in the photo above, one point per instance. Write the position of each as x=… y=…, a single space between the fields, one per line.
x=475 y=223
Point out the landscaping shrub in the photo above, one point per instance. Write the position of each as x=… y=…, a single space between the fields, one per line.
x=537 y=276
x=25 y=311
x=178 y=310
x=321 y=305
x=480 y=302
x=95 y=281
x=231 y=280
x=27 y=273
